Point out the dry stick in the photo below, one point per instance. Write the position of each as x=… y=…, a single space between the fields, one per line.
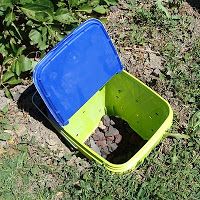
x=1 y=74
x=143 y=50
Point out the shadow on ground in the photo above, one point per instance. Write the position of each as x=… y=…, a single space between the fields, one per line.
x=25 y=103
x=195 y=4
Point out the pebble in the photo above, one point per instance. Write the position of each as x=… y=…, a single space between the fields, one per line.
x=105 y=150
x=112 y=131
x=101 y=143
x=113 y=146
x=51 y=141
x=118 y=138
x=102 y=126
x=113 y=8
x=94 y=146
x=110 y=138
x=4 y=102
x=112 y=122
x=98 y=135
x=106 y=120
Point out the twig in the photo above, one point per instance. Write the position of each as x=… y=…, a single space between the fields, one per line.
x=1 y=74
x=143 y=50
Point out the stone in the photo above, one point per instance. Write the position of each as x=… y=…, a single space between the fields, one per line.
x=110 y=138
x=4 y=102
x=94 y=146
x=113 y=8
x=104 y=155
x=106 y=120
x=17 y=91
x=98 y=135
x=155 y=61
x=101 y=143
x=71 y=162
x=21 y=130
x=118 y=138
x=105 y=150
x=61 y=154
x=111 y=131
x=157 y=72
x=113 y=146
x=51 y=141
x=112 y=122
x=2 y=93
x=3 y=144
x=109 y=146
x=102 y=126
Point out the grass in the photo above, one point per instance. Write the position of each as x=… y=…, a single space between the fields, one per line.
x=165 y=174
x=171 y=171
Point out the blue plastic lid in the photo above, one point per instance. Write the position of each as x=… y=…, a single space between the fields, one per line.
x=75 y=69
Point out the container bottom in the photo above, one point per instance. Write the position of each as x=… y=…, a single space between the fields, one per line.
x=114 y=140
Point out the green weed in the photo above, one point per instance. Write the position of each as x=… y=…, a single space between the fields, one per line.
x=30 y=28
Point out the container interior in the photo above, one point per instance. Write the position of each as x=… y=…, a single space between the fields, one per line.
x=123 y=96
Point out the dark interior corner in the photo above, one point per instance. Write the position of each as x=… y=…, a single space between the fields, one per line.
x=195 y=4
x=25 y=103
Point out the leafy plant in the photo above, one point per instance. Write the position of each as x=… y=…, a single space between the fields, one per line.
x=29 y=28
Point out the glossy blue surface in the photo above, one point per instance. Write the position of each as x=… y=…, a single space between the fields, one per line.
x=75 y=69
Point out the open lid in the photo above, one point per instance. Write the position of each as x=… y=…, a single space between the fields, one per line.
x=75 y=69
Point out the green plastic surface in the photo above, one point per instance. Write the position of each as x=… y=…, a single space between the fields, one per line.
x=125 y=96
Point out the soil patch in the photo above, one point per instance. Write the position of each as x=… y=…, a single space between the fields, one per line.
x=114 y=140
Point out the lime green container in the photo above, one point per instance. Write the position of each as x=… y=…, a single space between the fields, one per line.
x=78 y=96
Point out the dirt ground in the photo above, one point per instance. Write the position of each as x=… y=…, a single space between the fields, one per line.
x=143 y=62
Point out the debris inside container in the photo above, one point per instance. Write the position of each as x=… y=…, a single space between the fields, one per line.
x=114 y=140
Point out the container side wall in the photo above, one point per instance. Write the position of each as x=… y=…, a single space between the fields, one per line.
x=133 y=101
x=87 y=118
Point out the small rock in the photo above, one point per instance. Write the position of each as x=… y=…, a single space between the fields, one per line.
x=156 y=72
x=112 y=122
x=21 y=130
x=109 y=142
x=17 y=91
x=110 y=138
x=71 y=162
x=118 y=138
x=111 y=132
x=77 y=160
x=109 y=146
x=101 y=143
x=16 y=96
x=102 y=126
x=169 y=73
x=106 y=120
x=108 y=134
x=87 y=142
x=61 y=154
x=4 y=102
x=104 y=155
x=105 y=150
x=94 y=146
x=113 y=146
x=59 y=195
x=115 y=132
x=3 y=144
x=51 y=142
x=98 y=135
x=2 y=93
x=113 y=8
x=155 y=61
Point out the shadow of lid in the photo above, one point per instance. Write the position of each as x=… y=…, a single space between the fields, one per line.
x=25 y=103
x=195 y=4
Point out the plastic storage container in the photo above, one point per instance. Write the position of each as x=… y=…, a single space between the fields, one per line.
x=81 y=79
